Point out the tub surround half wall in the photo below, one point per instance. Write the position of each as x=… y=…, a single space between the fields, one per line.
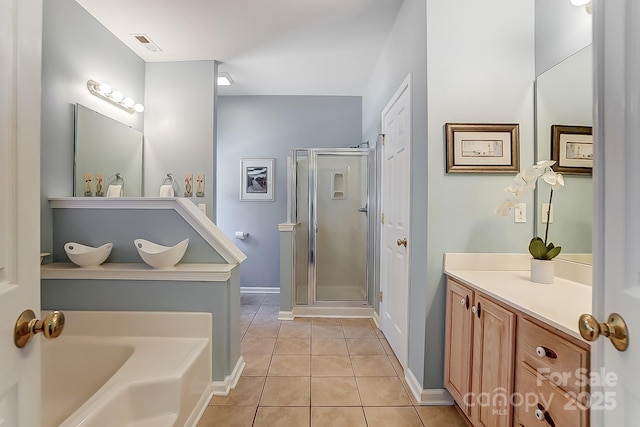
x=206 y=280
x=112 y=217
x=173 y=389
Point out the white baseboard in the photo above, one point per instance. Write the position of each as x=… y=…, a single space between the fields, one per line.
x=285 y=315
x=427 y=397
x=376 y=319
x=348 y=312
x=259 y=290
x=222 y=388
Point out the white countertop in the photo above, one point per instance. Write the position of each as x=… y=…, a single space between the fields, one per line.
x=559 y=304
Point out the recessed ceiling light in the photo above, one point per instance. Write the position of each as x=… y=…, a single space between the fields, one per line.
x=224 y=79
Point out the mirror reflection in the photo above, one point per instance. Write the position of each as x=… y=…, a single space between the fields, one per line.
x=106 y=152
x=564 y=96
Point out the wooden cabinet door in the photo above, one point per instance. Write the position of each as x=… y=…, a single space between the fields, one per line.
x=458 y=338
x=493 y=364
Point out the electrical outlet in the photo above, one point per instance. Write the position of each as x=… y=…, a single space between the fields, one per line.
x=520 y=212
x=546 y=215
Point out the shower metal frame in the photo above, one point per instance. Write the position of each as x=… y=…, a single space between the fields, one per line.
x=312 y=268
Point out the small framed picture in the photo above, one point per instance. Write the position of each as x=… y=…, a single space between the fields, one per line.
x=482 y=148
x=256 y=179
x=572 y=149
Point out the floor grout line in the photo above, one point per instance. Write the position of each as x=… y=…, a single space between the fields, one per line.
x=351 y=326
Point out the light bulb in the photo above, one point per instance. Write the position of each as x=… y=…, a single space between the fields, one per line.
x=128 y=102
x=104 y=88
x=139 y=108
x=117 y=96
x=579 y=2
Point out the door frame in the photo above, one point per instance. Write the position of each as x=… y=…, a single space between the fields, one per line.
x=405 y=86
x=616 y=93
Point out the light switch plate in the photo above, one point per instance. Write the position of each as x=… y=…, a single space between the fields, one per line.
x=546 y=211
x=520 y=212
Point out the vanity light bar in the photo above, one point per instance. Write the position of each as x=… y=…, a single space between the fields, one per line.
x=115 y=97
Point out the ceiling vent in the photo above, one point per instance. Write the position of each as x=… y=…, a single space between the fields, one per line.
x=146 y=42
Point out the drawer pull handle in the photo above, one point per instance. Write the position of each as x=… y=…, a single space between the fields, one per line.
x=546 y=352
x=479 y=309
x=462 y=301
x=467 y=301
x=474 y=309
x=541 y=414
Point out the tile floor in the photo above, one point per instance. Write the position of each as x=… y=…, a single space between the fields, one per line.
x=319 y=372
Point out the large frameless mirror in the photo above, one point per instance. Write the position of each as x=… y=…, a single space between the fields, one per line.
x=106 y=152
x=564 y=96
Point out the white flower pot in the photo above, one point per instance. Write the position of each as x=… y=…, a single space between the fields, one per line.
x=543 y=271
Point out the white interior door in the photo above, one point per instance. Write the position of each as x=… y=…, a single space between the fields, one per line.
x=616 y=395
x=20 y=50
x=394 y=237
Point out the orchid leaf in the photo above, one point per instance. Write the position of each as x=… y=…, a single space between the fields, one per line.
x=537 y=248
x=554 y=252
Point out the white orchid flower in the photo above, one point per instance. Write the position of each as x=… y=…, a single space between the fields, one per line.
x=543 y=164
x=505 y=208
x=555 y=180
x=550 y=178
x=526 y=180
x=518 y=188
x=559 y=182
x=530 y=176
x=522 y=180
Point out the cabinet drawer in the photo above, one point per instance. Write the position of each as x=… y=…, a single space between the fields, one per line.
x=554 y=407
x=563 y=363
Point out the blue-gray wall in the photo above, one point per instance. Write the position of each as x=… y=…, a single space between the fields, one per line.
x=179 y=126
x=496 y=88
x=404 y=53
x=96 y=227
x=76 y=48
x=562 y=29
x=436 y=41
x=268 y=127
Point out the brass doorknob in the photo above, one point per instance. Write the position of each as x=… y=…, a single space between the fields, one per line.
x=402 y=242
x=27 y=326
x=615 y=329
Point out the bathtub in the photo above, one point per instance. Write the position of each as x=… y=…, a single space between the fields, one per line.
x=108 y=369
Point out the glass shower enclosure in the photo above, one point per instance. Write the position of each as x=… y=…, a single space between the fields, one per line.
x=329 y=202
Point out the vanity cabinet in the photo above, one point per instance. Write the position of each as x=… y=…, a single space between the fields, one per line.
x=506 y=368
x=479 y=356
x=552 y=376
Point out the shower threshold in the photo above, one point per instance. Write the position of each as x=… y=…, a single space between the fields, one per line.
x=334 y=309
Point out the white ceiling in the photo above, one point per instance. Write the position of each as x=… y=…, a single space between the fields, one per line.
x=274 y=47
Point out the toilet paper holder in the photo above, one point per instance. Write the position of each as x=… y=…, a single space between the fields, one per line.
x=241 y=235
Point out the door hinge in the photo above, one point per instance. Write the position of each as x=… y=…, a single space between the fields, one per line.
x=383 y=138
x=382 y=219
x=380 y=296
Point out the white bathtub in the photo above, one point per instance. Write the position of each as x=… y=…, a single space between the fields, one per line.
x=107 y=369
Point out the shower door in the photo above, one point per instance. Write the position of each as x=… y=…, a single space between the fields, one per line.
x=338 y=238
